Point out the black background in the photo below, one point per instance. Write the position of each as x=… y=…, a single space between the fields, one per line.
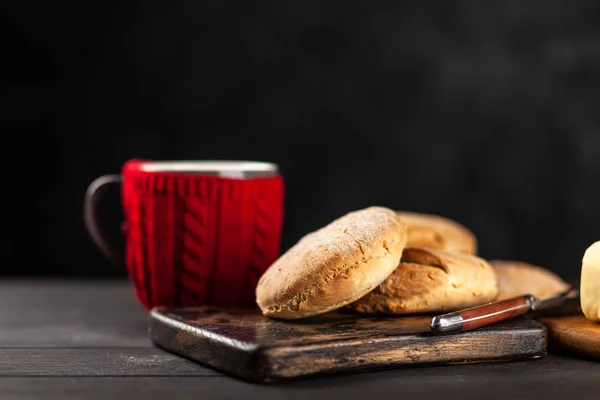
x=486 y=112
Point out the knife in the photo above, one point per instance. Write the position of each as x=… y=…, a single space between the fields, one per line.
x=468 y=319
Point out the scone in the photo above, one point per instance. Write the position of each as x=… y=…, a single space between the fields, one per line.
x=334 y=265
x=436 y=232
x=431 y=280
x=516 y=278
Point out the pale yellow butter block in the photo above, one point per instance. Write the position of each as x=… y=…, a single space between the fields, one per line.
x=590 y=282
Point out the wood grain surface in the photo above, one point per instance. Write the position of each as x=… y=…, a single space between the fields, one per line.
x=71 y=314
x=89 y=340
x=250 y=346
x=575 y=335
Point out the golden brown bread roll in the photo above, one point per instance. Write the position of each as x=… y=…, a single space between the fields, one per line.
x=334 y=265
x=431 y=280
x=436 y=232
x=516 y=278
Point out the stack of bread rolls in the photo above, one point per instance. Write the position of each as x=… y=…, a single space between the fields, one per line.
x=381 y=261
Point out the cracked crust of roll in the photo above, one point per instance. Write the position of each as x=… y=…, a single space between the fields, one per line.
x=436 y=232
x=516 y=278
x=431 y=280
x=334 y=265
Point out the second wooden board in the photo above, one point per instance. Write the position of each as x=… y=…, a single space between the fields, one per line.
x=574 y=335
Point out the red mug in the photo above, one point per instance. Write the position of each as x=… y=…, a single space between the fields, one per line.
x=196 y=232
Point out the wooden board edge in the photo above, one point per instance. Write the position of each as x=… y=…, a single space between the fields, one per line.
x=245 y=359
x=296 y=362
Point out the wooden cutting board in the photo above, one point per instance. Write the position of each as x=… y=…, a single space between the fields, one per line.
x=250 y=346
x=574 y=335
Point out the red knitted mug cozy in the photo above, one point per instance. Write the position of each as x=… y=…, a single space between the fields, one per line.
x=198 y=239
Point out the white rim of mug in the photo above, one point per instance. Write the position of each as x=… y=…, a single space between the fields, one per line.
x=223 y=168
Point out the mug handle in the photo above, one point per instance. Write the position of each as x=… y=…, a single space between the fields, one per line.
x=94 y=192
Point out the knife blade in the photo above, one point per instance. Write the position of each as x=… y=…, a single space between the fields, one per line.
x=496 y=311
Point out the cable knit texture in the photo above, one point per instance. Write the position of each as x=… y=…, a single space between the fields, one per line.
x=195 y=240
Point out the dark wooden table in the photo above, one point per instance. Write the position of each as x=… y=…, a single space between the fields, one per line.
x=88 y=340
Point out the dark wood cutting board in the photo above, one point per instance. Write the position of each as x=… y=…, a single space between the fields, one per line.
x=574 y=335
x=250 y=346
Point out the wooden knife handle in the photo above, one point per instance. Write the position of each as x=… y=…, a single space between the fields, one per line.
x=486 y=314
